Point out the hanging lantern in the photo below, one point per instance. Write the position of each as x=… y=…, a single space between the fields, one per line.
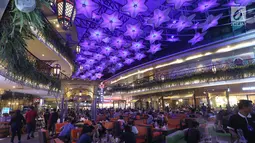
x=25 y=5
x=66 y=12
x=56 y=70
x=214 y=69
x=78 y=49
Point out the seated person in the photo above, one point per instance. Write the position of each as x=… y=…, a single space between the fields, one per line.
x=150 y=119
x=86 y=134
x=65 y=134
x=133 y=127
x=122 y=121
x=128 y=136
x=193 y=134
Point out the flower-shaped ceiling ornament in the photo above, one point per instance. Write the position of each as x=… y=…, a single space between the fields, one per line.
x=86 y=7
x=86 y=66
x=99 y=68
x=133 y=7
x=119 y=66
x=114 y=59
x=136 y=46
x=159 y=17
x=184 y=22
x=173 y=39
x=178 y=3
x=98 y=75
x=87 y=45
x=205 y=5
x=133 y=31
x=139 y=56
x=154 y=48
x=129 y=61
x=97 y=35
x=197 y=38
x=106 y=50
x=90 y=62
x=154 y=35
x=98 y=57
x=111 y=21
x=118 y=42
x=211 y=21
x=123 y=53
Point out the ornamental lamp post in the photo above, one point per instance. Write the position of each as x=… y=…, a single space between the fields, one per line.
x=56 y=70
x=66 y=12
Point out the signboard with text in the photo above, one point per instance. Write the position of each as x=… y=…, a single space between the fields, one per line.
x=238 y=17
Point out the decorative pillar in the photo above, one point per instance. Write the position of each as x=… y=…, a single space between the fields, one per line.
x=118 y=104
x=247 y=96
x=208 y=100
x=125 y=104
x=163 y=102
x=151 y=104
x=94 y=104
x=194 y=100
x=227 y=96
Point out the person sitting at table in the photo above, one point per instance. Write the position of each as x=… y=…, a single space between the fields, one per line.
x=65 y=134
x=86 y=134
x=192 y=135
x=133 y=127
x=128 y=136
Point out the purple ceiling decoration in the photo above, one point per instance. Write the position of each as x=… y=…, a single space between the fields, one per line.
x=133 y=7
x=159 y=17
x=93 y=77
x=123 y=53
x=98 y=75
x=86 y=44
x=97 y=35
x=178 y=3
x=106 y=40
x=86 y=66
x=184 y=22
x=136 y=46
x=98 y=57
x=129 y=61
x=85 y=7
x=107 y=50
x=133 y=31
x=211 y=21
x=114 y=59
x=139 y=56
x=80 y=58
x=99 y=68
x=112 y=70
x=111 y=21
x=197 y=38
x=154 y=48
x=196 y=26
x=85 y=76
x=205 y=5
x=118 y=42
x=172 y=24
x=231 y=3
x=119 y=65
x=92 y=71
x=90 y=61
x=173 y=39
x=154 y=35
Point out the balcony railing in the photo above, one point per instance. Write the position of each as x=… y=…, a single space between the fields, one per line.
x=238 y=69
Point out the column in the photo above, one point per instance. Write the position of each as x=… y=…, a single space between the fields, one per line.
x=163 y=102
x=247 y=96
x=227 y=96
x=151 y=104
x=118 y=104
x=194 y=100
x=62 y=96
x=94 y=104
x=208 y=100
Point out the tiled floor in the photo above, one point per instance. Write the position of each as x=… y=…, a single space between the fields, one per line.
x=23 y=139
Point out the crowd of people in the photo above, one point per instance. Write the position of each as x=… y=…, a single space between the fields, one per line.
x=239 y=121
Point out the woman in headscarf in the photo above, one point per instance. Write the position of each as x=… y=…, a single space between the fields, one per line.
x=17 y=122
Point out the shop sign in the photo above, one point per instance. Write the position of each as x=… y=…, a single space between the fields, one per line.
x=238 y=17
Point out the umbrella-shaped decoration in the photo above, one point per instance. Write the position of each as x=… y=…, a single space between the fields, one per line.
x=159 y=17
x=154 y=35
x=154 y=48
x=133 y=31
x=136 y=46
x=86 y=7
x=197 y=38
x=111 y=21
x=133 y=7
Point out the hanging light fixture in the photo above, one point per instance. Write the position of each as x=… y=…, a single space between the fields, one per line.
x=66 y=12
x=56 y=70
x=78 y=49
x=214 y=69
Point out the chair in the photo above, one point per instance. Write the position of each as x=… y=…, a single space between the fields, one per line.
x=173 y=123
x=75 y=134
x=88 y=122
x=108 y=125
x=58 y=127
x=140 y=122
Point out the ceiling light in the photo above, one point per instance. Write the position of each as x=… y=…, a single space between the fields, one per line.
x=57 y=25
x=43 y=55
x=13 y=86
x=248 y=88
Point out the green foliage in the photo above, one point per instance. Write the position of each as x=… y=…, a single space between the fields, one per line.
x=14 y=31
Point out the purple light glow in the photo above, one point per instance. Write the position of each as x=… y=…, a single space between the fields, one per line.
x=85 y=7
x=206 y=5
x=139 y=56
x=86 y=66
x=98 y=75
x=97 y=35
x=133 y=7
x=211 y=21
x=86 y=44
x=136 y=46
x=184 y=22
x=159 y=17
x=129 y=61
x=90 y=62
x=133 y=31
x=99 y=68
x=118 y=42
x=197 y=38
x=80 y=58
x=154 y=48
x=178 y=3
x=173 y=39
x=154 y=35
x=119 y=66
x=98 y=57
x=106 y=50
x=231 y=3
x=111 y=21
